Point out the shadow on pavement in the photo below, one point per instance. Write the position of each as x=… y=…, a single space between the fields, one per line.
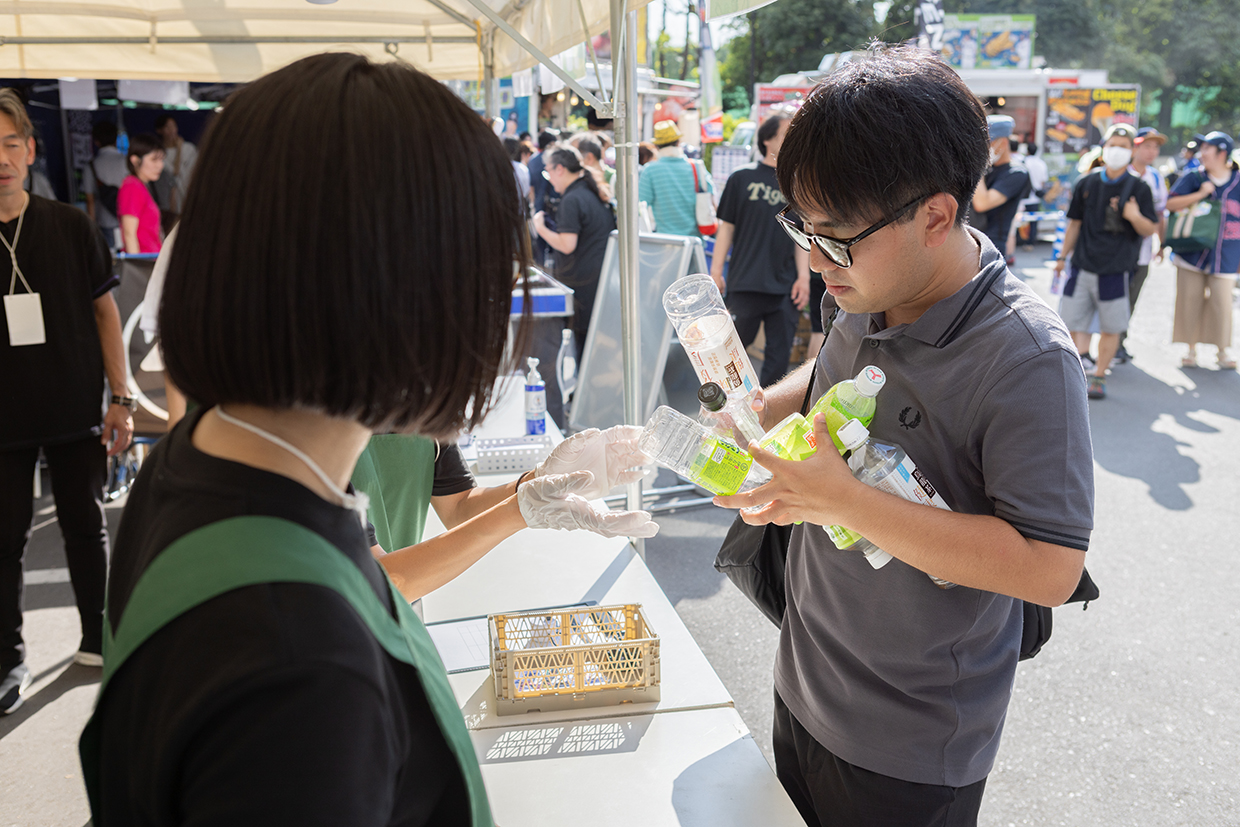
x=70 y=679
x=1127 y=437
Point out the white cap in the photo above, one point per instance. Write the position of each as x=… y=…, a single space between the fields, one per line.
x=870 y=381
x=853 y=434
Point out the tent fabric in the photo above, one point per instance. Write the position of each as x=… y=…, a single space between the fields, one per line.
x=238 y=40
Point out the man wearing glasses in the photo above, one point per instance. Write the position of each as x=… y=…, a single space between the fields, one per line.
x=891 y=692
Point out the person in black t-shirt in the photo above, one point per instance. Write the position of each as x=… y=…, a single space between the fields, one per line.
x=1111 y=212
x=997 y=198
x=768 y=275
x=54 y=390
x=311 y=700
x=582 y=225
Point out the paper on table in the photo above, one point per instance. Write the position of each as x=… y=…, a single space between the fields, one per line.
x=462 y=644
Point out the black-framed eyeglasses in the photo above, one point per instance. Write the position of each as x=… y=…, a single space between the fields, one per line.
x=836 y=249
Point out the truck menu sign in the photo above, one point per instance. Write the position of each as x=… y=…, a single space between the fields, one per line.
x=1076 y=118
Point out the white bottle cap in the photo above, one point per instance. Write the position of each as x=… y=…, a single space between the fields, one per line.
x=870 y=381
x=853 y=434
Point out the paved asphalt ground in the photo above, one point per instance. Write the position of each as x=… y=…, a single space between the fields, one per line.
x=1129 y=716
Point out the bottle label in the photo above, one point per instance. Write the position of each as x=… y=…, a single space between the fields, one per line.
x=535 y=409
x=727 y=365
x=910 y=484
x=842 y=537
x=720 y=467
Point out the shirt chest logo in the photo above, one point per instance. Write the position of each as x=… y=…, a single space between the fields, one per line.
x=909 y=424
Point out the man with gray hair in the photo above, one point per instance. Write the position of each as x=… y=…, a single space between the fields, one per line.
x=64 y=334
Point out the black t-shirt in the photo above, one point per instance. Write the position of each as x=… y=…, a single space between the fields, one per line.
x=270 y=704
x=583 y=213
x=1097 y=250
x=1012 y=180
x=56 y=388
x=763 y=256
x=452 y=474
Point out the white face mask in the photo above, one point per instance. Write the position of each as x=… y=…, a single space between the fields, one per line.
x=994 y=156
x=1116 y=157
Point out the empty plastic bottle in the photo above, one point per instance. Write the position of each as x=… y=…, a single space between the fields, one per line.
x=888 y=468
x=850 y=399
x=729 y=416
x=689 y=448
x=566 y=365
x=704 y=327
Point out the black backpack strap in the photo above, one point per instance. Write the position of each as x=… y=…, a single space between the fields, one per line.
x=827 y=324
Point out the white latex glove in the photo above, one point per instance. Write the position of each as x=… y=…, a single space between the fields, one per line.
x=612 y=456
x=556 y=501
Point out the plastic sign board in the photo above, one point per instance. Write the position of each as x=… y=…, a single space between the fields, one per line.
x=988 y=41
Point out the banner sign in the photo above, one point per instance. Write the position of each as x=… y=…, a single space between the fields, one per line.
x=769 y=97
x=988 y=41
x=928 y=17
x=1076 y=118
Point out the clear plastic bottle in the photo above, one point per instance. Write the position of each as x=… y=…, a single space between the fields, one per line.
x=566 y=365
x=704 y=327
x=888 y=468
x=850 y=399
x=535 y=400
x=689 y=448
x=729 y=416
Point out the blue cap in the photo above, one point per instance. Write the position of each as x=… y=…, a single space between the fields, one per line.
x=1219 y=139
x=1149 y=133
x=1000 y=126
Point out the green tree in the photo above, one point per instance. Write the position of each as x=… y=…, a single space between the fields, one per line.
x=792 y=36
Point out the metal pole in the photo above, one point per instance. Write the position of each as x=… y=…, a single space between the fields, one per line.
x=624 y=67
x=488 y=75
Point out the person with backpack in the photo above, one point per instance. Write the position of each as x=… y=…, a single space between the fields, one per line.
x=1111 y=212
x=102 y=179
x=1206 y=279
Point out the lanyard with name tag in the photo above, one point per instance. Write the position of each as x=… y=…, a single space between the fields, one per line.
x=22 y=311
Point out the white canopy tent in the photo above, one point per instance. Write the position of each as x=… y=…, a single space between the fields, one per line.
x=238 y=40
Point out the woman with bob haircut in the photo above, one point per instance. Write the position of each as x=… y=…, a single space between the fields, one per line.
x=135 y=206
x=259 y=667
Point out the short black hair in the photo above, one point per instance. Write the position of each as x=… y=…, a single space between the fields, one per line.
x=892 y=127
x=365 y=269
x=769 y=128
x=141 y=145
x=162 y=119
x=547 y=137
x=104 y=133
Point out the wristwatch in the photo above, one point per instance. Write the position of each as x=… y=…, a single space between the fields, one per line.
x=128 y=401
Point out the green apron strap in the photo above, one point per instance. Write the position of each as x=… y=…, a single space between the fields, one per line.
x=246 y=551
x=397 y=472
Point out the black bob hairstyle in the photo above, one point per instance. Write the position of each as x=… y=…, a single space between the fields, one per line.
x=349 y=246
x=140 y=146
x=893 y=127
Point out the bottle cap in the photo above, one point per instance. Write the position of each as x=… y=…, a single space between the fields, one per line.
x=567 y=334
x=712 y=397
x=870 y=381
x=853 y=434
x=532 y=362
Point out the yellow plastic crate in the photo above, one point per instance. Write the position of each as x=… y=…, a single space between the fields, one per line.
x=581 y=657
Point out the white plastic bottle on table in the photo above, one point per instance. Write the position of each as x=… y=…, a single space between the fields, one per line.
x=704 y=327
x=729 y=416
x=888 y=468
x=566 y=365
x=692 y=450
x=535 y=400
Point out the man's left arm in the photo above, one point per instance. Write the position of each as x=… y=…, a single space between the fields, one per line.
x=1031 y=548
x=1139 y=211
x=118 y=421
x=1005 y=187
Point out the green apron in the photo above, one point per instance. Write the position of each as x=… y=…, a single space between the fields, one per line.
x=397 y=472
x=246 y=551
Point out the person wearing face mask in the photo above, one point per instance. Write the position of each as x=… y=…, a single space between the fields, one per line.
x=1111 y=212
x=998 y=195
x=1205 y=280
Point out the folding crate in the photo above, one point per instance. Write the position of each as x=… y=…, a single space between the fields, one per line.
x=573 y=658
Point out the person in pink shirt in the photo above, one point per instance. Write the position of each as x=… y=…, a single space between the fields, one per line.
x=135 y=206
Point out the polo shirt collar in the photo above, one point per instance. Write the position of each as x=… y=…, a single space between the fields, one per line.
x=938 y=325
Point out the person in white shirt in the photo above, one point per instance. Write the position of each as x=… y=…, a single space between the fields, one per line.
x=102 y=179
x=1039 y=176
x=180 y=156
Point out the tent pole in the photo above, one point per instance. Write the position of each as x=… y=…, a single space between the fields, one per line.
x=488 y=74
x=624 y=81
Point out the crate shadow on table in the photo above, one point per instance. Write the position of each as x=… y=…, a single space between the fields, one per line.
x=560 y=740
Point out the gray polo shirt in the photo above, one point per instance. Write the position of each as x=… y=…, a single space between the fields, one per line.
x=986 y=394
